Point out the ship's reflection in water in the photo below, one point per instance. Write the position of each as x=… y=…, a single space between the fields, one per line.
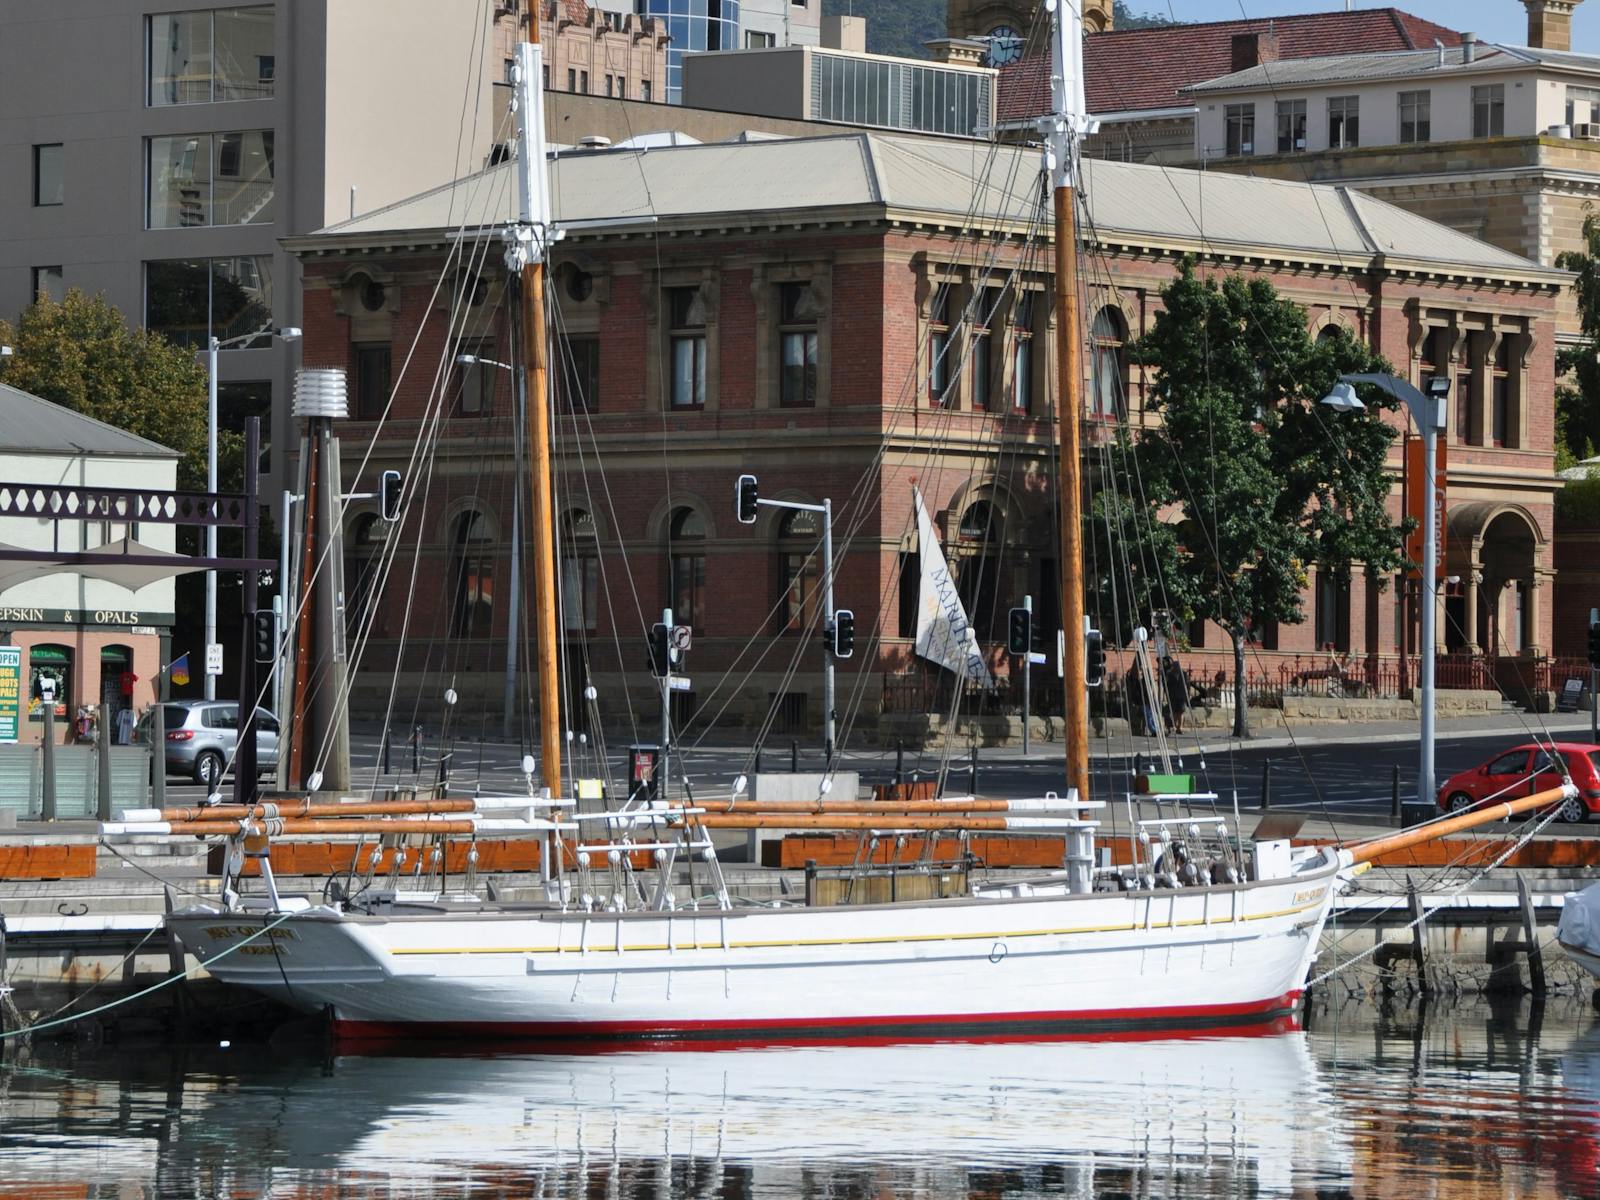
x=1455 y=1102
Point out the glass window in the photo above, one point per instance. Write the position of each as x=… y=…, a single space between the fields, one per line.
x=186 y=300
x=223 y=54
x=1415 y=117
x=475 y=380
x=1022 y=353
x=1514 y=762
x=686 y=582
x=756 y=40
x=580 y=573
x=1241 y=123
x=47 y=283
x=49 y=179
x=53 y=663
x=1489 y=110
x=688 y=343
x=980 y=354
x=373 y=362
x=240 y=399
x=1344 y=121
x=1108 y=334
x=797 y=338
x=1583 y=106
x=1500 y=394
x=579 y=378
x=210 y=179
x=472 y=606
x=572 y=79
x=644 y=91
x=1333 y=610
x=799 y=569
x=939 y=390
x=1291 y=126
x=241 y=299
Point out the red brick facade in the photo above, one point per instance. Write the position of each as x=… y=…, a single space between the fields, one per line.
x=632 y=463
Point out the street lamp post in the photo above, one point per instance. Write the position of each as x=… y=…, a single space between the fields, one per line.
x=213 y=344
x=1428 y=411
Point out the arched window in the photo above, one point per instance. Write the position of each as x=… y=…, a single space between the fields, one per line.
x=472 y=573
x=1329 y=332
x=362 y=552
x=979 y=570
x=1108 y=337
x=686 y=567
x=580 y=572
x=800 y=568
x=978 y=521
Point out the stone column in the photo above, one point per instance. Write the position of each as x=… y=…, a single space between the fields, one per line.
x=1474 y=579
x=1534 y=645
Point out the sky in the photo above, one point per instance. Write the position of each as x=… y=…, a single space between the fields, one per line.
x=1492 y=20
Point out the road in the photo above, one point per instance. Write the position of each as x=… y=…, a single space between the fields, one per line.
x=1346 y=778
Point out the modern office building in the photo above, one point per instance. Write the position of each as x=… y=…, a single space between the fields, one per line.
x=156 y=150
x=779 y=23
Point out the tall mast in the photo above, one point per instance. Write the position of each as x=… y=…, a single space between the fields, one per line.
x=528 y=241
x=1065 y=125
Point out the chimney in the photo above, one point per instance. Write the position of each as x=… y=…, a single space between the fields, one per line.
x=1550 y=23
x=845 y=33
x=1253 y=49
x=1469 y=47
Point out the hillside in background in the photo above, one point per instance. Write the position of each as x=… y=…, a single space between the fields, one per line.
x=901 y=27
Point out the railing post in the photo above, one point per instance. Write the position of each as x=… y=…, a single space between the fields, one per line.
x=1394 y=795
x=1266 y=785
x=47 y=772
x=102 y=798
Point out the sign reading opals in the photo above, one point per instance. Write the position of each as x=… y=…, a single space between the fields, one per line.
x=10 y=691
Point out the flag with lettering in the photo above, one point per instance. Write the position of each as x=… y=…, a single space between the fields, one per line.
x=944 y=635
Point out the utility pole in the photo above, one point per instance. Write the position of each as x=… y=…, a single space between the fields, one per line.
x=828 y=617
x=1027 y=663
x=212 y=345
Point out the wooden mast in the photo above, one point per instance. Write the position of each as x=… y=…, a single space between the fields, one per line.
x=534 y=232
x=1063 y=128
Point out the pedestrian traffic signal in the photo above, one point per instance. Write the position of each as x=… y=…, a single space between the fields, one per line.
x=264 y=635
x=660 y=658
x=1094 y=659
x=1019 y=632
x=389 y=495
x=1594 y=645
x=844 y=633
x=745 y=499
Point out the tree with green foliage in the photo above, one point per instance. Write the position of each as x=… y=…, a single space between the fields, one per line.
x=1578 y=403
x=1253 y=480
x=81 y=354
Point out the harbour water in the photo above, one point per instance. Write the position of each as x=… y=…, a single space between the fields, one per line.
x=1459 y=1101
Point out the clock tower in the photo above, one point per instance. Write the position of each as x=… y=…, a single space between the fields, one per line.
x=1005 y=23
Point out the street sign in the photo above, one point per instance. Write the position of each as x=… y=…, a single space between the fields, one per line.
x=10 y=691
x=1038 y=658
x=682 y=637
x=214 y=658
x=678 y=683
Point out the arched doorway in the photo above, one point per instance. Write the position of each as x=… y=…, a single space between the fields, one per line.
x=471 y=575
x=686 y=568
x=980 y=544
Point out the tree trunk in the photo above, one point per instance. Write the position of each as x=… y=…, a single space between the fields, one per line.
x=1240 y=728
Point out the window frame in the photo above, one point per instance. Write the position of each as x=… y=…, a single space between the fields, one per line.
x=1488 y=110
x=1112 y=346
x=942 y=392
x=1344 y=114
x=1024 y=308
x=684 y=334
x=38 y=174
x=1291 y=119
x=1239 y=120
x=472 y=566
x=36 y=274
x=368 y=407
x=266 y=78
x=1420 y=103
x=686 y=568
x=794 y=328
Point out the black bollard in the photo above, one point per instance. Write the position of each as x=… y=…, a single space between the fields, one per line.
x=899 y=763
x=1394 y=794
x=1266 y=785
x=794 y=758
x=416 y=750
x=758 y=758
x=974 y=776
x=385 y=749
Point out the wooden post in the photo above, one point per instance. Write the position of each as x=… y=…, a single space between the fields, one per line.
x=1069 y=415
x=1419 y=932
x=1530 y=933
x=541 y=522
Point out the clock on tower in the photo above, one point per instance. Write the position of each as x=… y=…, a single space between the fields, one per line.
x=1005 y=45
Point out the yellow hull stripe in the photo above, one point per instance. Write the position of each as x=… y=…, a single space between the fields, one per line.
x=646 y=947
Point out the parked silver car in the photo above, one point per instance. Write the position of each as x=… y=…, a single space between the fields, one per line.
x=202 y=734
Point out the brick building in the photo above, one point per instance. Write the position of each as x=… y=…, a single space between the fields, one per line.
x=845 y=317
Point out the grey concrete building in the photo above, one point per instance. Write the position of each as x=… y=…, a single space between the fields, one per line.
x=156 y=150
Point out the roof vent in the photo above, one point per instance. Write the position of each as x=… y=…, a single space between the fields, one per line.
x=594 y=141
x=1469 y=47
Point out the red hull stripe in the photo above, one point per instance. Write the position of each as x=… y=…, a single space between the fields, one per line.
x=1131 y=1023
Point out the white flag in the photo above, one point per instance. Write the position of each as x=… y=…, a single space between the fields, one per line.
x=944 y=635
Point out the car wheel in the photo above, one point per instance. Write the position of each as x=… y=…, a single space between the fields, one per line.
x=208 y=768
x=1573 y=811
x=1460 y=802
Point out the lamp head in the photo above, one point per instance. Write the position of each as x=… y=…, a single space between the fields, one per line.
x=466 y=360
x=289 y=333
x=1438 y=386
x=1343 y=398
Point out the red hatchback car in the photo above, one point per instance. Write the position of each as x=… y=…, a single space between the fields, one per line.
x=1524 y=771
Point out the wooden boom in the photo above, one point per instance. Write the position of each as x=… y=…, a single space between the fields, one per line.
x=1367 y=851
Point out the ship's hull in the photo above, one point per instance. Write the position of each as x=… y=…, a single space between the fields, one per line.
x=1018 y=966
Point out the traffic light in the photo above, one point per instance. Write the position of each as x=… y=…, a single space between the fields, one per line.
x=1019 y=632
x=1594 y=645
x=745 y=497
x=264 y=635
x=389 y=495
x=659 y=657
x=1094 y=659
x=844 y=633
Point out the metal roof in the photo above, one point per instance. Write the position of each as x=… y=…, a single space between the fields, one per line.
x=1361 y=68
x=972 y=183
x=35 y=426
